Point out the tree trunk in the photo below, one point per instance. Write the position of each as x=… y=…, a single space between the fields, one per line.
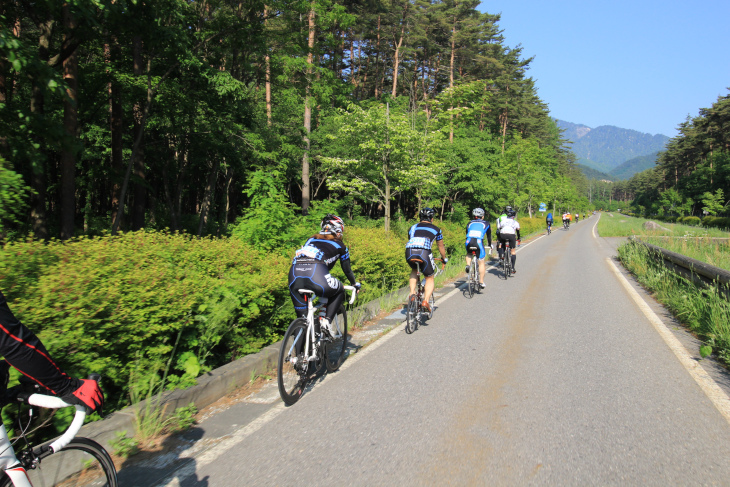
x=377 y=59
x=308 y=116
x=70 y=122
x=38 y=213
x=208 y=197
x=396 y=60
x=451 y=76
x=140 y=188
x=267 y=62
x=387 y=204
x=116 y=128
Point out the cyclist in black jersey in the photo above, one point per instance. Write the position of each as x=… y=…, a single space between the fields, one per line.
x=24 y=351
x=418 y=251
x=311 y=269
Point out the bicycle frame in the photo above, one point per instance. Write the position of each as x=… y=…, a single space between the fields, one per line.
x=8 y=460
x=311 y=308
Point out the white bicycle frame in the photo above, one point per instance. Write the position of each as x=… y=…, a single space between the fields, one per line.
x=8 y=460
x=310 y=321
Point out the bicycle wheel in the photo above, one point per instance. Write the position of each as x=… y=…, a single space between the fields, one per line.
x=412 y=314
x=470 y=279
x=292 y=373
x=82 y=463
x=334 y=350
x=505 y=263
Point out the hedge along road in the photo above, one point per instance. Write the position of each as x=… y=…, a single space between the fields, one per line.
x=554 y=377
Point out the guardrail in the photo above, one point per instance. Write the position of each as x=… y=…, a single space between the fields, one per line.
x=695 y=270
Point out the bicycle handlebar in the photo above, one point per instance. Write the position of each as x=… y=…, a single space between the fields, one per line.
x=354 y=293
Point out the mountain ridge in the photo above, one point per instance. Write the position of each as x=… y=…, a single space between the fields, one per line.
x=607 y=147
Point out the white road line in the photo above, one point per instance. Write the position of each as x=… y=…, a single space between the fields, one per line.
x=595 y=225
x=706 y=383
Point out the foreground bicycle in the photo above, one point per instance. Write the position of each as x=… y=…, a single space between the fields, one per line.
x=67 y=461
x=506 y=261
x=304 y=351
x=414 y=310
x=549 y=227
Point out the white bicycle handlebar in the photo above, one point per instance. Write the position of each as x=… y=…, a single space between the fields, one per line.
x=52 y=402
x=354 y=292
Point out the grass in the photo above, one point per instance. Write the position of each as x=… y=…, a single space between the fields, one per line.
x=617 y=225
x=705 y=311
x=713 y=252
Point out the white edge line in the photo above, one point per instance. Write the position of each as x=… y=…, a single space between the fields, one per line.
x=595 y=225
x=718 y=397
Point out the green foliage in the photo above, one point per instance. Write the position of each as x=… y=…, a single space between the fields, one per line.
x=705 y=351
x=12 y=196
x=124 y=446
x=713 y=202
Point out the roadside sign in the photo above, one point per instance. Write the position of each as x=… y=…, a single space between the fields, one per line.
x=543 y=207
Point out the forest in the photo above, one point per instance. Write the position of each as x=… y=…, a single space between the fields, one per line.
x=168 y=114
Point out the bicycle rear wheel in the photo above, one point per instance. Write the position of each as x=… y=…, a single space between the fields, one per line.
x=471 y=283
x=412 y=314
x=292 y=364
x=505 y=263
x=432 y=305
x=82 y=463
x=334 y=350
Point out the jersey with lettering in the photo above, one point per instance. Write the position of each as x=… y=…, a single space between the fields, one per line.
x=422 y=235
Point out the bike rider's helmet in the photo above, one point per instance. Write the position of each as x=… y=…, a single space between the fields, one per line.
x=478 y=213
x=507 y=209
x=332 y=225
x=511 y=213
x=427 y=214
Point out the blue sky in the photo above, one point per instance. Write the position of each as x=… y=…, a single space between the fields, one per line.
x=643 y=65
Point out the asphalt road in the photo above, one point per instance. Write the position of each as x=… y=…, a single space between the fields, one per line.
x=553 y=377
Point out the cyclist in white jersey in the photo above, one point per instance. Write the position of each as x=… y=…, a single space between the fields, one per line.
x=508 y=229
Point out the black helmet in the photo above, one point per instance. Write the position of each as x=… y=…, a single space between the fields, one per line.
x=507 y=209
x=332 y=224
x=427 y=214
x=511 y=213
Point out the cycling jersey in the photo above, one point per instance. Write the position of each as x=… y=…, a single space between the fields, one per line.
x=549 y=218
x=24 y=351
x=421 y=236
x=475 y=233
x=310 y=270
x=510 y=226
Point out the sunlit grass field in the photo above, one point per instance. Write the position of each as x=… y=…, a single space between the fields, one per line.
x=618 y=225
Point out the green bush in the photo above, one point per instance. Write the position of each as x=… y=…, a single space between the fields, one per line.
x=691 y=220
x=715 y=222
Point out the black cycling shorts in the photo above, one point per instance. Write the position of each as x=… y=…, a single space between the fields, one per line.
x=423 y=258
x=509 y=237
x=316 y=277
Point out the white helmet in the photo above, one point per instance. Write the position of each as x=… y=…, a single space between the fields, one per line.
x=478 y=213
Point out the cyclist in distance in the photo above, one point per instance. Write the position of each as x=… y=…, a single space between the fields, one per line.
x=549 y=221
x=311 y=267
x=25 y=352
x=475 y=232
x=421 y=237
x=566 y=219
x=508 y=229
x=577 y=217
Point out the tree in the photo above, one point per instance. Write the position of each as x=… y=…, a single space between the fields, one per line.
x=714 y=203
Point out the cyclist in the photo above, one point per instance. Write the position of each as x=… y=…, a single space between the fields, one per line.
x=501 y=217
x=508 y=228
x=549 y=222
x=566 y=220
x=421 y=237
x=25 y=352
x=577 y=217
x=311 y=270
x=475 y=232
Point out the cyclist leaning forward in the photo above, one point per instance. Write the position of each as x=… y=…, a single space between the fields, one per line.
x=311 y=270
x=508 y=228
x=421 y=237
x=475 y=232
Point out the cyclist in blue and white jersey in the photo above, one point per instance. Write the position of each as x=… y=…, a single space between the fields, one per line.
x=476 y=230
x=508 y=229
x=418 y=252
x=549 y=221
x=311 y=269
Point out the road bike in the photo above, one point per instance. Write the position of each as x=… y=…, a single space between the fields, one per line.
x=506 y=260
x=68 y=461
x=472 y=276
x=566 y=224
x=414 y=308
x=307 y=349
x=549 y=227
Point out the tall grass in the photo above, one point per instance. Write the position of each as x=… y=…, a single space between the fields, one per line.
x=618 y=225
x=713 y=252
x=705 y=311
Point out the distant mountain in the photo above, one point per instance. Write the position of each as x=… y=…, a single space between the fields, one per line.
x=591 y=173
x=632 y=166
x=606 y=147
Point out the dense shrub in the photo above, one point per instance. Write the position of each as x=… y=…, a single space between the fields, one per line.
x=690 y=220
x=716 y=222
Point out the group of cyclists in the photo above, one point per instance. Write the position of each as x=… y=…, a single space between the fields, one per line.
x=567 y=218
x=315 y=259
